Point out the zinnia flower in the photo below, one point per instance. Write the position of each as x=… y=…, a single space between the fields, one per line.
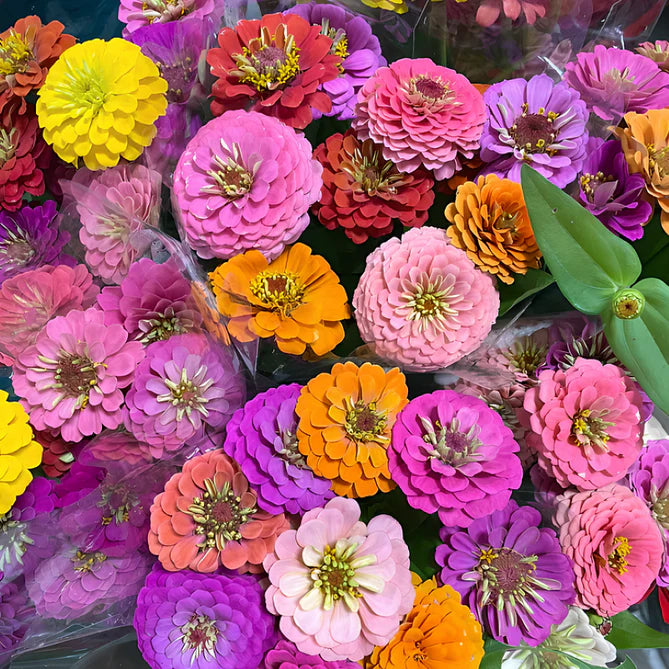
x=296 y=299
x=118 y=448
x=262 y=438
x=510 y=572
x=16 y=614
x=422 y=114
x=614 y=544
x=537 y=123
x=208 y=517
x=57 y=457
x=245 y=182
x=613 y=81
x=365 y=194
x=153 y=302
x=585 y=424
x=27 y=50
x=490 y=10
x=657 y=51
x=422 y=303
x=30 y=300
x=452 y=454
x=139 y=13
x=340 y=586
x=78 y=483
x=397 y=6
x=72 y=376
x=490 y=222
x=345 y=422
x=99 y=103
x=276 y=66
x=186 y=620
x=286 y=656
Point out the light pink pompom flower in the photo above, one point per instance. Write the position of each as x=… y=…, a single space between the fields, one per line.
x=614 y=543
x=422 y=303
x=422 y=114
x=71 y=377
x=339 y=586
x=585 y=423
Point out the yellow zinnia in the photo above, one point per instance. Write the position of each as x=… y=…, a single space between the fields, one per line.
x=397 y=6
x=19 y=452
x=100 y=102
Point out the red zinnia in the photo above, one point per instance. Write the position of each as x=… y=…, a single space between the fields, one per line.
x=364 y=193
x=278 y=64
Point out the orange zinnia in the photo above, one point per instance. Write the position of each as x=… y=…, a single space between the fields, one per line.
x=297 y=299
x=345 y=422
x=438 y=633
x=645 y=142
x=491 y=224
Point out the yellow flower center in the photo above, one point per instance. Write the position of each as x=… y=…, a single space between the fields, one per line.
x=589 y=429
x=431 y=302
x=279 y=291
x=339 y=41
x=526 y=355
x=7 y=146
x=365 y=423
x=535 y=133
x=84 y=562
x=15 y=54
x=658 y=160
x=617 y=558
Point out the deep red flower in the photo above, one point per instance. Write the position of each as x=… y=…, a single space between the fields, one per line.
x=57 y=457
x=364 y=193
x=275 y=66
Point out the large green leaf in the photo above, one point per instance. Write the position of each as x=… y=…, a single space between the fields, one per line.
x=523 y=286
x=588 y=261
x=493 y=654
x=629 y=632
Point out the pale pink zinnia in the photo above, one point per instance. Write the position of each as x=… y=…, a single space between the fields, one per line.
x=340 y=586
x=422 y=303
x=615 y=546
x=422 y=114
x=72 y=376
x=585 y=423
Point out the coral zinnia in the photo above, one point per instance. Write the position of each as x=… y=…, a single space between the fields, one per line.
x=365 y=194
x=340 y=586
x=208 y=517
x=277 y=65
x=27 y=50
x=490 y=10
x=422 y=114
x=491 y=223
x=438 y=633
x=346 y=417
x=297 y=299
x=99 y=103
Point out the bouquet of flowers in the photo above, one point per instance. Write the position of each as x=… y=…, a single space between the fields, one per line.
x=335 y=334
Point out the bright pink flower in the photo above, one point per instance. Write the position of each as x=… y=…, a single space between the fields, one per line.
x=490 y=10
x=340 y=586
x=585 y=423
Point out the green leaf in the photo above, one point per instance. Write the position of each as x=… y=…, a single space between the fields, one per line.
x=627 y=664
x=493 y=652
x=588 y=261
x=653 y=249
x=523 y=286
x=629 y=632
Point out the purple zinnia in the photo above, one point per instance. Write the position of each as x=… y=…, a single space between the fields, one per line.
x=452 y=454
x=185 y=390
x=30 y=238
x=187 y=620
x=510 y=572
x=354 y=42
x=286 y=656
x=611 y=193
x=16 y=614
x=535 y=122
x=614 y=81
x=261 y=438
x=77 y=483
x=153 y=302
x=649 y=479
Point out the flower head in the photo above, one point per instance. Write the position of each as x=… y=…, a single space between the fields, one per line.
x=16 y=614
x=118 y=448
x=340 y=586
x=422 y=303
x=286 y=656
x=262 y=438
x=57 y=457
x=99 y=103
x=276 y=66
x=345 y=422
x=137 y=14
x=365 y=194
x=510 y=572
x=186 y=620
x=490 y=10
x=657 y=51
x=613 y=81
x=535 y=122
x=452 y=454
x=72 y=376
x=422 y=114
x=77 y=483
x=614 y=544
x=245 y=182
x=296 y=299
x=208 y=517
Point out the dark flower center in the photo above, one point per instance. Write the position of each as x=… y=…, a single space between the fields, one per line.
x=200 y=634
x=535 y=133
x=271 y=56
x=15 y=54
x=75 y=376
x=372 y=174
x=178 y=76
x=365 y=423
x=591 y=182
x=448 y=443
x=430 y=88
x=279 y=291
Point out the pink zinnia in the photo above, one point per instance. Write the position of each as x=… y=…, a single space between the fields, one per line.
x=615 y=546
x=30 y=300
x=138 y=13
x=585 y=423
x=340 y=586
x=489 y=10
x=422 y=114
x=72 y=376
x=422 y=303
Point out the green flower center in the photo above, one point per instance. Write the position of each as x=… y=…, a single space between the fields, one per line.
x=628 y=304
x=187 y=395
x=364 y=423
x=449 y=444
x=163 y=326
x=526 y=355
